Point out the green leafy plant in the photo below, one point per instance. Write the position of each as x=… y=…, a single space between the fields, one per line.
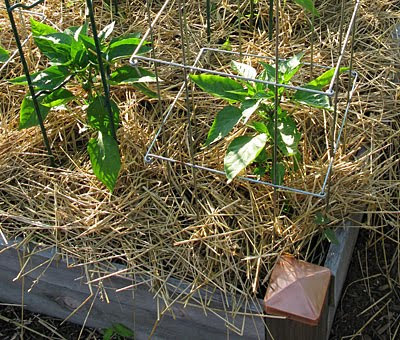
x=4 y=54
x=118 y=332
x=255 y=108
x=73 y=61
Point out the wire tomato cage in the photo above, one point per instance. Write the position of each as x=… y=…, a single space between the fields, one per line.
x=345 y=38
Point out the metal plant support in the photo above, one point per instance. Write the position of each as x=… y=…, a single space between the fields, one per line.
x=35 y=94
x=346 y=38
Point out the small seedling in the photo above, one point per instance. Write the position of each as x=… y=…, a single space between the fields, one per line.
x=73 y=59
x=118 y=332
x=328 y=233
x=252 y=104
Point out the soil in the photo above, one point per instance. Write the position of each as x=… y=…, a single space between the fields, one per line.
x=369 y=308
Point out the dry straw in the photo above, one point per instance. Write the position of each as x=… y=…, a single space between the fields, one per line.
x=159 y=222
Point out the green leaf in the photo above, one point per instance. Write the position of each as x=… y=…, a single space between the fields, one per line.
x=288 y=68
x=244 y=69
x=27 y=113
x=219 y=86
x=97 y=115
x=88 y=42
x=57 y=98
x=313 y=99
x=227 y=45
x=287 y=134
x=241 y=152
x=331 y=236
x=144 y=89
x=75 y=31
x=280 y=173
x=124 y=47
x=128 y=75
x=321 y=219
x=4 y=55
x=223 y=123
x=79 y=55
x=39 y=28
x=106 y=31
x=260 y=171
x=122 y=330
x=248 y=107
x=105 y=159
x=108 y=333
x=308 y=5
x=48 y=79
x=260 y=127
x=262 y=157
x=55 y=46
x=268 y=74
x=326 y=77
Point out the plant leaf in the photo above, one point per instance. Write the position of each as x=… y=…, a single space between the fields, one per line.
x=308 y=5
x=27 y=113
x=241 y=152
x=260 y=171
x=4 y=55
x=106 y=31
x=128 y=75
x=326 y=77
x=39 y=28
x=144 y=89
x=260 y=127
x=244 y=69
x=248 y=107
x=321 y=219
x=219 y=86
x=55 y=46
x=313 y=99
x=122 y=330
x=108 y=333
x=287 y=134
x=75 y=31
x=105 y=159
x=97 y=115
x=223 y=123
x=124 y=47
x=48 y=79
x=288 y=68
x=331 y=236
x=57 y=98
x=280 y=173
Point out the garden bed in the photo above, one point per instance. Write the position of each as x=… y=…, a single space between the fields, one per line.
x=158 y=223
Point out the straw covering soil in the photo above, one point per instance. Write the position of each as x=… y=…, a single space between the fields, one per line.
x=160 y=222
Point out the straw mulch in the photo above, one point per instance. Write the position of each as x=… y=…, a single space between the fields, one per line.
x=167 y=221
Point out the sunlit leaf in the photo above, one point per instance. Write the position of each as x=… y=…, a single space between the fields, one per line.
x=223 y=123
x=105 y=159
x=244 y=69
x=98 y=116
x=128 y=75
x=218 y=86
x=27 y=114
x=241 y=152
x=287 y=135
x=57 y=98
x=48 y=79
x=39 y=28
x=308 y=5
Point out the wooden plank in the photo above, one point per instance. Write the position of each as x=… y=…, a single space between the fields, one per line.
x=338 y=261
x=60 y=290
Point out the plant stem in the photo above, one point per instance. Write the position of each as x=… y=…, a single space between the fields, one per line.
x=101 y=68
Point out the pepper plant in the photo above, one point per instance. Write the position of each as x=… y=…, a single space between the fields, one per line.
x=252 y=104
x=73 y=61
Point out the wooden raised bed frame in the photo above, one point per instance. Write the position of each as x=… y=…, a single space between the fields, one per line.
x=59 y=290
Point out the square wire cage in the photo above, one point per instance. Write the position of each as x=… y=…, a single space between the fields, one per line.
x=335 y=93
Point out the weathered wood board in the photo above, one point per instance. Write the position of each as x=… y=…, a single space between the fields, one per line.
x=60 y=290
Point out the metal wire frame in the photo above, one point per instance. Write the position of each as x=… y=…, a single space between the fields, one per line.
x=330 y=92
x=35 y=94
